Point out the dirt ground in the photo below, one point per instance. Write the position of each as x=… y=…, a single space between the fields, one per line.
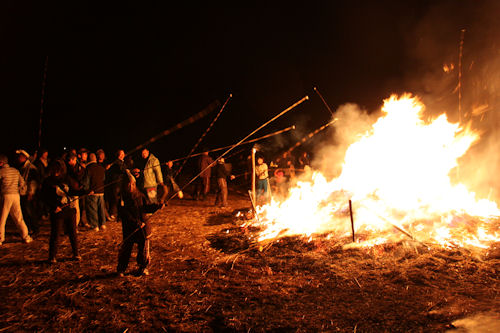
x=207 y=275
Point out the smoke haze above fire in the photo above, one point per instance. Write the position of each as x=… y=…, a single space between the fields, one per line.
x=433 y=47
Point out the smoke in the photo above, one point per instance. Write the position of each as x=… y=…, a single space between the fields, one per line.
x=433 y=74
x=434 y=49
x=479 y=323
x=353 y=122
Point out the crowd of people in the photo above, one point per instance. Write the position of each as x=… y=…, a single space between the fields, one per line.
x=82 y=190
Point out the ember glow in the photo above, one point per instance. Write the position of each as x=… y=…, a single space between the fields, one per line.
x=398 y=176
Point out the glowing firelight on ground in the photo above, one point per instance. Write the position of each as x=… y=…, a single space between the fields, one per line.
x=396 y=174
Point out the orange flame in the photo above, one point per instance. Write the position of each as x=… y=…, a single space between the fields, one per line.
x=396 y=174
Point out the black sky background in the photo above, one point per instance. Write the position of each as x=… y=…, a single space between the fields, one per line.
x=121 y=72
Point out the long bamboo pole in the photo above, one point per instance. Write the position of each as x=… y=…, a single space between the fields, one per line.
x=243 y=143
x=254 y=196
x=210 y=108
x=460 y=54
x=246 y=138
x=204 y=134
x=323 y=100
x=310 y=135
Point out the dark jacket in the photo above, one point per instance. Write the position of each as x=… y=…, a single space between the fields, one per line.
x=132 y=214
x=42 y=169
x=96 y=174
x=116 y=172
x=221 y=171
x=75 y=178
x=55 y=193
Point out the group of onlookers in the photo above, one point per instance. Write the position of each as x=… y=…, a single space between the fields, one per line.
x=80 y=189
x=75 y=189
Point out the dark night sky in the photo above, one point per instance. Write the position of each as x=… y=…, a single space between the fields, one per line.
x=123 y=72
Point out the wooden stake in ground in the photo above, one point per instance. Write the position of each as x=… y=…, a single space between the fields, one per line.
x=254 y=197
x=253 y=205
x=352 y=221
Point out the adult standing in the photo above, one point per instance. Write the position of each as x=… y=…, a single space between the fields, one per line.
x=75 y=179
x=204 y=165
x=170 y=180
x=82 y=155
x=11 y=186
x=114 y=177
x=57 y=196
x=221 y=174
x=29 y=201
x=152 y=177
x=94 y=201
x=41 y=163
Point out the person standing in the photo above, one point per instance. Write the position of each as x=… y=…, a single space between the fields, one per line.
x=57 y=196
x=221 y=173
x=11 y=187
x=82 y=160
x=170 y=180
x=135 y=227
x=94 y=202
x=261 y=172
x=75 y=179
x=101 y=158
x=152 y=177
x=41 y=163
x=29 y=201
x=204 y=165
x=114 y=177
x=83 y=155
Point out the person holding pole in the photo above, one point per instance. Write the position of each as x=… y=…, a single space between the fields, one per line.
x=57 y=196
x=135 y=228
x=221 y=174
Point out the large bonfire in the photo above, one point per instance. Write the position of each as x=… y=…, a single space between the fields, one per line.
x=397 y=175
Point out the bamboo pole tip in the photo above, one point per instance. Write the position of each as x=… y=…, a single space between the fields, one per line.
x=315 y=89
x=293 y=127
x=230 y=95
x=306 y=98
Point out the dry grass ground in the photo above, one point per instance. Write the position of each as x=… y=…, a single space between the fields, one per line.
x=206 y=275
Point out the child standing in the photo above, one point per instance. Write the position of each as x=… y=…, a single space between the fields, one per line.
x=136 y=229
x=262 y=182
